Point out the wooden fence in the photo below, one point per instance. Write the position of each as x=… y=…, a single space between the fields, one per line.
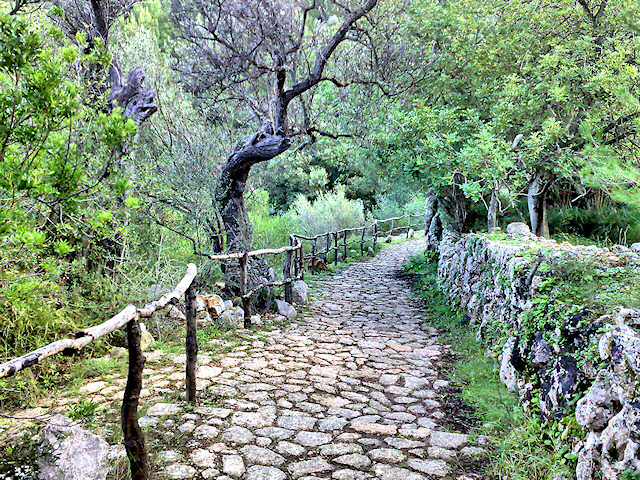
x=323 y=244
x=293 y=269
x=129 y=317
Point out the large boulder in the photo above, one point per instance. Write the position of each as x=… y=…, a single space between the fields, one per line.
x=299 y=292
x=518 y=228
x=214 y=305
x=286 y=309
x=71 y=453
x=232 y=317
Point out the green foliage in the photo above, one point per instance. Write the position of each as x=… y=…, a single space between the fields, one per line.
x=83 y=410
x=330 y=212
x=269 y=230
x=60 y=181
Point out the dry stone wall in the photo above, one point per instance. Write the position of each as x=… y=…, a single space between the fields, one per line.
x=569 y=363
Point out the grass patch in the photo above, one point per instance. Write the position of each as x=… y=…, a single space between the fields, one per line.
x=524 y=449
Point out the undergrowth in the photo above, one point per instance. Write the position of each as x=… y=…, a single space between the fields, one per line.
x=524 y=448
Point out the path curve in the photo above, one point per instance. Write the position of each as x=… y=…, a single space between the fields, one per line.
x=349 y=392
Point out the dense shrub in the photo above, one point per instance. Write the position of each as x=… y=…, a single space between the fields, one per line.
x=330 y=212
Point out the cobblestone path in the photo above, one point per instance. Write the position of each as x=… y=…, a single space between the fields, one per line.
x=350 y=392
x=353 y=390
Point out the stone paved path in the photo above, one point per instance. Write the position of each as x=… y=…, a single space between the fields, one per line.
x=351 y=391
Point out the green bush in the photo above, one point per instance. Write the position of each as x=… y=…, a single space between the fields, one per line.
x=332 y=211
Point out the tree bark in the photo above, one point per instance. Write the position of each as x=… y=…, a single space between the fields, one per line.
x=492 y=213
x=537 y=202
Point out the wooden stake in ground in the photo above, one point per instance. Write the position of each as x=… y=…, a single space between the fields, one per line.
x=133 y=437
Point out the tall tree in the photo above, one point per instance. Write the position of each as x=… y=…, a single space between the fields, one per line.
x=265 y=58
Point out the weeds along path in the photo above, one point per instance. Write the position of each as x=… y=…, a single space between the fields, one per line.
x=355 y=389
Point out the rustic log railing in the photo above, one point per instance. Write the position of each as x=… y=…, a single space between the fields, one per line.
x=130 y=316
x=325 y=243
x=293 y=270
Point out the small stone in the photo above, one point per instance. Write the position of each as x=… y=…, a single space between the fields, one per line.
x=233 y=465
x=206 y=431
x=354 y=460
x=203 y=458
x=448 y=440
x=333 y=449
x=312 y=439
x=238 y=434
x=436 y=468
x=388 y=472
x=162 y=409
x=261 y=456
x=387 y=455
x=374 y=428
x=306 y=467
x=288 y=448
x=260 y=472
x=180 y=471
x=296 y=422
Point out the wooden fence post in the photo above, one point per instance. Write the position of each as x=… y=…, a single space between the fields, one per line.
x=335 y=241
x=301 y=262
x=409 y=226
x=191 y=343
x=328 y=248
x=313 y=257
x=364 y=229
x=286 y=273
x=344 y=241
x=133 y=438
x=375 y=234
x=393 y=222
x=246 y=301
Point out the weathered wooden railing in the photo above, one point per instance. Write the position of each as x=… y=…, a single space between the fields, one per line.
x=130 y=316
x=325 y=243
x=292 y=270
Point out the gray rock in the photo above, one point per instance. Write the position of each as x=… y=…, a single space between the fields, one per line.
x=518 y=228
x=146 y=340
x=595 y=409
x=285 y=309
x=635 y=247
x=72 y=453
x=299 y=292
x=354 y=460
x=508 y=373
x=261 y=456
x=232 y=317
x=436 y=468
x=387 y=455
x=237 y=434
x=233 y=465
x=260 y=472
x=307 y=467
x=312 y=439
x=178 y=471
x=541 y=352
x=448 y=440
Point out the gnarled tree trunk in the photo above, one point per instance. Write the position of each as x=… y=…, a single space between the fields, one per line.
x=537 y=202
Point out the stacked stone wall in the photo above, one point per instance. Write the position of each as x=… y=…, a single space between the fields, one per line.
x=582 y=366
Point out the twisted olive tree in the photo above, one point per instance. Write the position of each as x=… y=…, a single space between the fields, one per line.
x=265 y=59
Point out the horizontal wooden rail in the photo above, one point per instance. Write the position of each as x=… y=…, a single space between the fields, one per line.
x=133 y=437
